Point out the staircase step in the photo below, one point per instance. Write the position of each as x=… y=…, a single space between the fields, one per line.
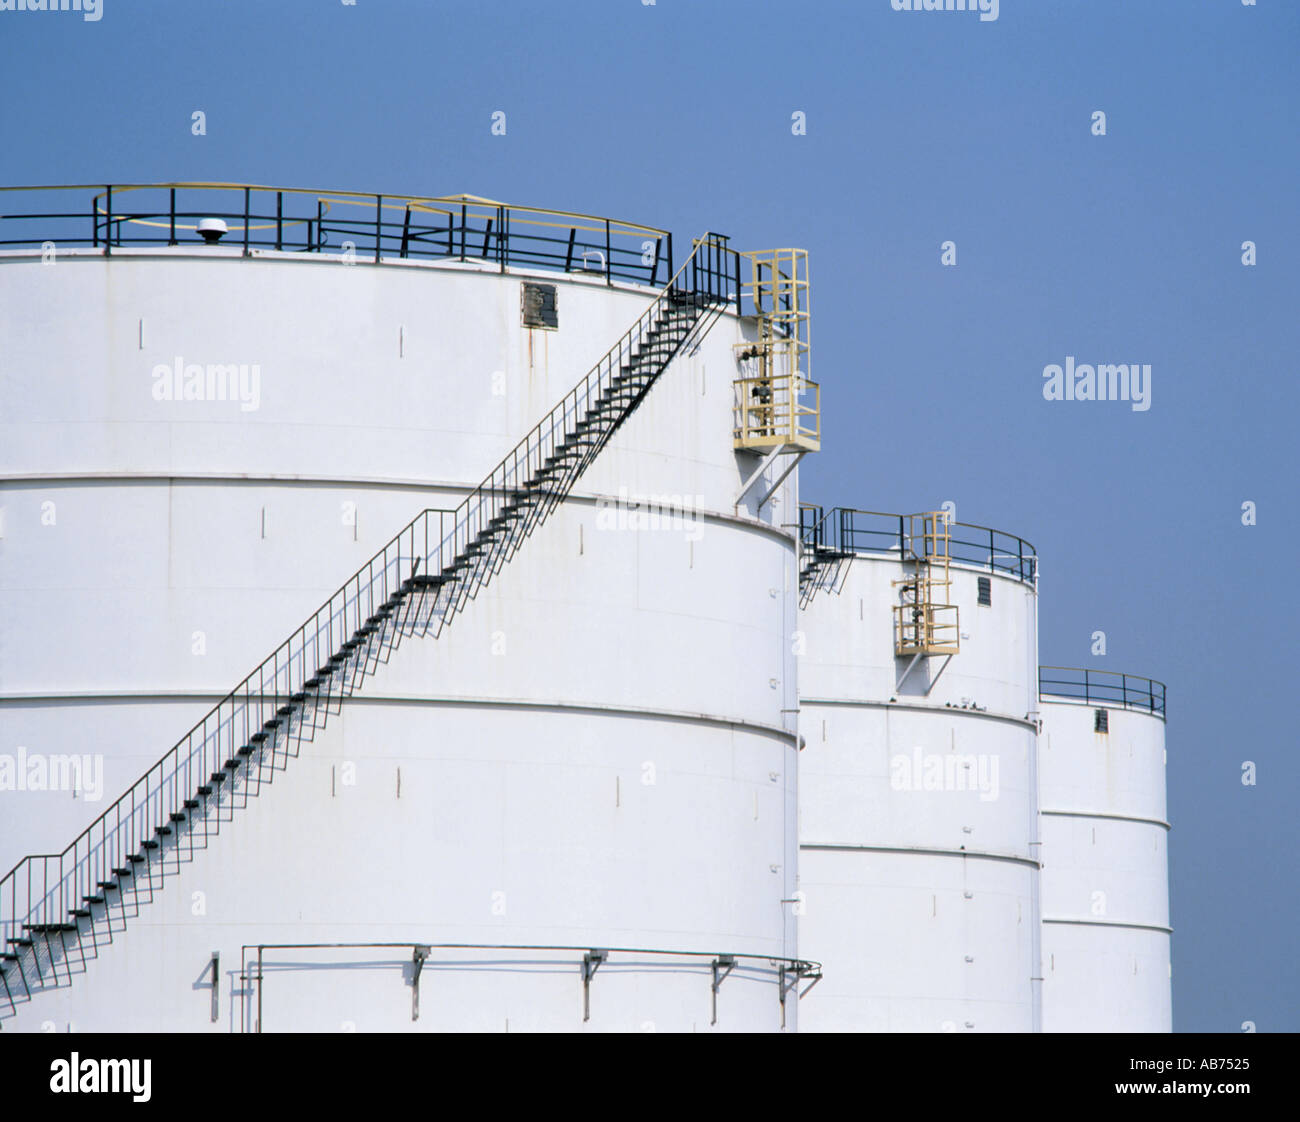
x=248 y=749
x=162 y=831
x=110 y=886
x=137 y=858
x=122 y=874
x=193 y=804
x=433 y=580
x=92 y=900
x=82 y=913
x=150 y=844
x=205 y=789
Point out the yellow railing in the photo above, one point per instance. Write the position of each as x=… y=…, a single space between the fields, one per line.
x=926 y=629
x=926 y=623
x=777 y=412
x=777 y=406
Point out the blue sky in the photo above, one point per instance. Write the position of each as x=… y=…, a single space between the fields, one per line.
x=921 y=127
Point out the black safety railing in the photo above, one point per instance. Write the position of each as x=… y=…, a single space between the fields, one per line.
x=848 y=531
x=355 y=227
x=1102 y=687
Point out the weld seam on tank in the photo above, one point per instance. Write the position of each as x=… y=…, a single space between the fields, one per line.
x=920 y=851
x=911 y=707
x=1111 y=923
x=615 y=712
x=719 y=517
x=1109 y=817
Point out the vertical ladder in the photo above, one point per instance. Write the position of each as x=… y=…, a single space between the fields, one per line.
x=777 y=406
x=926 y=620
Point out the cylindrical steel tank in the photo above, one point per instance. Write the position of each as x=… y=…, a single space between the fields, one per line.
x=917 y=799
x=1106 y=931
x=599 y=756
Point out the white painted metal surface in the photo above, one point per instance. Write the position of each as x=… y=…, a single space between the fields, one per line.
x=917 y=811
x=601 y=752
x=1106 y=931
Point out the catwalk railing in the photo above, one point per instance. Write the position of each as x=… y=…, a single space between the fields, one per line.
x=1102 y=688
x=358 y=227
x=844 y=530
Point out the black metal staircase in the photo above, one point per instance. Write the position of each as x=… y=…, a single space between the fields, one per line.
x=822 y=556
x=55 y=909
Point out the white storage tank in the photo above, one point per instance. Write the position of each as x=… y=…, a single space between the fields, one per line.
x=1106 y=930
x=574 y=809
x=917 y=799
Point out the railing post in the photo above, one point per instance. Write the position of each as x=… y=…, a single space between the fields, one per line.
x=108 y=220
x=502 y=234
x=171 y=210
x=670 y=255
x=379 y=224
x=279 y=219
x=247 y=209
x=609 y=264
